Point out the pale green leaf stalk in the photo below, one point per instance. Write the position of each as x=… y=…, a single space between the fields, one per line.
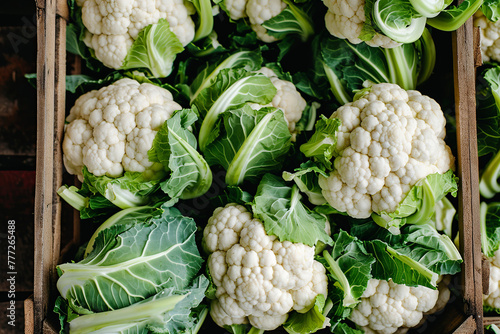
x=339 y=275
x=240 y=92
x=248 y=59
x=134 y=313
x=431 y=276
x=205 y=22
x=489 y=185
x=237 y=168
x=71 y=196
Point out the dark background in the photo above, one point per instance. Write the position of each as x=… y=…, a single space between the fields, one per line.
x=17 y=150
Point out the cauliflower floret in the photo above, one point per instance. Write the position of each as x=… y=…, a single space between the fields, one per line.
x=490 y=37
x=387 y=307
x=236 y=9
x=388 y=141
x=345 y=19
x=259 y=11
x=258 y=278
x=112 y=26
x=110 y=130
x=288 y=99
x=492 y=299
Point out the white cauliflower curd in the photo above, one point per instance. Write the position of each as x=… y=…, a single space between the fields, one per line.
x=258 y=278
x=112 y=26
x=388 y=140
x=492 y=299
x=387 y=307
x=490 y=37
x=110 y=130
x=257 y=12
x=345 y=18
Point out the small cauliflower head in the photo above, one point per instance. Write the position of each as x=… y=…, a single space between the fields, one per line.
x=112 y=26
x=490 y=37
x=288 y=99
x=388 y=141
x=387 y=307
x=258 y=278
x=257 y=12
x=110 y=130
x=492 y=299
x=345 y=18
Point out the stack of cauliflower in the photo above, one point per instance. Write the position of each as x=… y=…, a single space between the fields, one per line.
x=259 y=279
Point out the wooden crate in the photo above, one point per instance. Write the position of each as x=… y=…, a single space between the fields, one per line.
x=52 y=16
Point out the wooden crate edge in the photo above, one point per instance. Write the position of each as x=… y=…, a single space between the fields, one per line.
x=464 y=42
x=51 y=51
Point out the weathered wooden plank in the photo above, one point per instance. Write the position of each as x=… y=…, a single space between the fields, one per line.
x=486 y=275
x=492 y=321
x=61 y=7
x=469 y=326
x=46 y=59
x=28 y=316
x=468 y=199
x=51 y=67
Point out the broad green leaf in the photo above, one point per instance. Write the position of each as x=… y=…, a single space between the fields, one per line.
x=155 y=49
x=418 y=206
x=307 y=322
x=322 y=145
x=175 y=147
x=292 y=20
x=232 y=88
x=454 y=17
x=279 y=207
x=491 y=9
x=172 y=310
x=306 y=178
x=249 y=60
x=251 y=143
x=131 y=262
x=392 y=264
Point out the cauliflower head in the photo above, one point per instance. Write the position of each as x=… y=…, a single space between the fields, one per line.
x=490 y=37
x=110 y=130
x=288 y=99
x=112 y=26
x=345 y=18
x=387 y=307
x=492 y=299
x=388 y=140
x=258 y=278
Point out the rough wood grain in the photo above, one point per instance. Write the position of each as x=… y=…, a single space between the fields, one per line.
x=467 y=327
x=468 y=198
x=492 y=321
x=46 y=57
x=62 y=9
x=486 y=275
x=50 y=122
x=28 y=316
